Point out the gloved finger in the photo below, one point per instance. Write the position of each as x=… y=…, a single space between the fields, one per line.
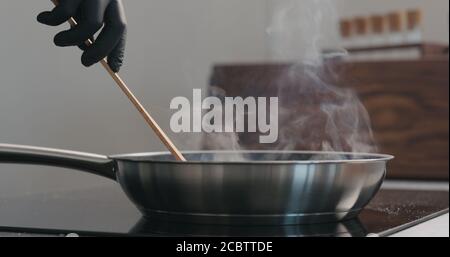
x=110 y=36
x=117 y=55
x=77 y=35
x=90 y=22
x=59 y=14
x=83 y=46
x=103 y=46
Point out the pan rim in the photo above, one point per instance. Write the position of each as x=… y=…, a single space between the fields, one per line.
x=370 y=157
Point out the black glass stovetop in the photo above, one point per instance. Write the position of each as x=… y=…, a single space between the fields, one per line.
x=106 y=211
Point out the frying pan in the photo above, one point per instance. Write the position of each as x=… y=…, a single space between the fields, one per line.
x=230 y=187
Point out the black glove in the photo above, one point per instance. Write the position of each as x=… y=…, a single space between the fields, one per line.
x=91 y=15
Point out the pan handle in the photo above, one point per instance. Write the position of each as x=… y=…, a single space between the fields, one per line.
x=93 y=163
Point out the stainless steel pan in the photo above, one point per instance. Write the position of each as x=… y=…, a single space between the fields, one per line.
x=248 y=187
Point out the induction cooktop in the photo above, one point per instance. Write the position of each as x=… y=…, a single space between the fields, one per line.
x=105 y=211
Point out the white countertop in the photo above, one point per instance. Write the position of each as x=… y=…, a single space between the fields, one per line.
x=415 y=185
x=437 y=227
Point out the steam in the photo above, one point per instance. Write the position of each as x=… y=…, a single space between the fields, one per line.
x=298 y=29
x=314 y=114
x=327 y=118
x=224 y=140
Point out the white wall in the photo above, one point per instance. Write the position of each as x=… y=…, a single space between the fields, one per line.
x=48 y=99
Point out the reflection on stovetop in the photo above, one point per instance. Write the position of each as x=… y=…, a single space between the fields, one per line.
x=164 y=228
x=106 y=211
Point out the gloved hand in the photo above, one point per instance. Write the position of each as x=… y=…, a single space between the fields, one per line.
x=91 y=15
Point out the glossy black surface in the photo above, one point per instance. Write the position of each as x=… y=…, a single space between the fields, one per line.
x=106 y=211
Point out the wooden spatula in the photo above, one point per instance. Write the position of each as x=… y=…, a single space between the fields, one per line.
x=148 y=118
